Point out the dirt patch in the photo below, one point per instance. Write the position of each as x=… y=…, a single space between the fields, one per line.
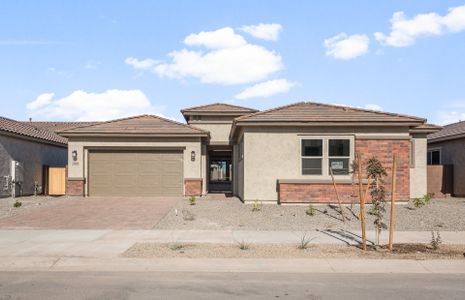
x=28 y=204
x=232 y=214
x=200 y=250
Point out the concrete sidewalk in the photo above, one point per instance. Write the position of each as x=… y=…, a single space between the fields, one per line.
x=101 y=249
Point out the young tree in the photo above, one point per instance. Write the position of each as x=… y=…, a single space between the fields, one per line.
x=377 y=172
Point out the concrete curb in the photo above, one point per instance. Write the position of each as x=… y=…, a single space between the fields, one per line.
x=246 y=265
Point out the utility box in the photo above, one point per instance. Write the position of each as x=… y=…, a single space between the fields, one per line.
x=17 y=178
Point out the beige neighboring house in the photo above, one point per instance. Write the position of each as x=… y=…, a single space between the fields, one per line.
x=26 y=149
x=446 y=156
x=281 y=155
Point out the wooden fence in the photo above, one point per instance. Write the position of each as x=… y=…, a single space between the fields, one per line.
x=56 y=181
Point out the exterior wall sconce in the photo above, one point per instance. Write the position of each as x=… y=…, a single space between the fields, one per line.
x=193 y=156
x=74 y=155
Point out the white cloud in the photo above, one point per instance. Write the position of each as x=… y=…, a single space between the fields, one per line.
x=448 y=117
x=91 y=64
x=405 y=31
x=373 y=107
x=269 y=32
x=141 y=64
x=40 y=101
x=228 y=60
x=83 y=106
x=343 y=46
x=218 y=39
x=266 y=89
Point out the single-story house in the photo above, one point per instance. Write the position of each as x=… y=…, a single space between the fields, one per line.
x=446 y=150
x=25 y=149
x=281 y=155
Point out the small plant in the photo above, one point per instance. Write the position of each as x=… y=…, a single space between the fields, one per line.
x=310 y=211
x=244 y=245
x=257 y=206
x=421 y=201
x=192 y=200
x=436 y=240
x=175 y=246
x=304 y=242
x=187 y=215
x=17 y=203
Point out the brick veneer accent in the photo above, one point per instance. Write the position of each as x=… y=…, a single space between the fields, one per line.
x=192 y=187
x=75 y=187
x=381 y=149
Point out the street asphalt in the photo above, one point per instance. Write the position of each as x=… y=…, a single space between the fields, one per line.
x=154 y=285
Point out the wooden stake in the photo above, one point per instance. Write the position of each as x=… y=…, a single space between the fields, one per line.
x=393 y=202
x=337 y=195
x=362 y=204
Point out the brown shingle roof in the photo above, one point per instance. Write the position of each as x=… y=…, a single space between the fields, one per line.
x=59 y=126
x=449 y=132
x=326 y=113
x=426 y=128
x=147 y=125
x=28 y=130
x=219 y=107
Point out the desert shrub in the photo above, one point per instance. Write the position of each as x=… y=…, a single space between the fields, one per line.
x=310 y=211
x=257 y=206
x=244 y=245
x=17 y=203
x=175 y=246
x=192 y=200
x=421 y=201
x=187 y=215
x=304 y=242
x=436 y=240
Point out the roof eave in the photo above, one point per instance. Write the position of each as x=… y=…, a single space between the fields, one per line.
x=446 y=138
x=126 y=134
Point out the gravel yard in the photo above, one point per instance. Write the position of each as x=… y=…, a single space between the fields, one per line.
x=401 y=251
x=231 y=213
x=28 y=203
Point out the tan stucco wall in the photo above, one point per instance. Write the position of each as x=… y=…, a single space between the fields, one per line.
x=33 y=155
x=219 y=132
x=274 y=153
x=192 y=169
x=453 y=153
x=418 y=171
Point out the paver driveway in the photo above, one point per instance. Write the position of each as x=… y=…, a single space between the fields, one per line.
x=95 y=213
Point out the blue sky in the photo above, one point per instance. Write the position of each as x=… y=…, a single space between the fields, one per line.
x=89 y=60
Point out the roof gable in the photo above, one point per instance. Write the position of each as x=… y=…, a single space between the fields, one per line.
x=143 y=124
x=219 y=107
x=324 y=113
x=29 y=130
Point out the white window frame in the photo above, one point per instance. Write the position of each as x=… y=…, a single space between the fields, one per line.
x=430 y=152
x=325 y=158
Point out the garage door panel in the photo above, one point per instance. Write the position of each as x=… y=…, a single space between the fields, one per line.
x=135 y=173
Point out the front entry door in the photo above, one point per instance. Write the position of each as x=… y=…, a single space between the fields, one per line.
x=220 y=174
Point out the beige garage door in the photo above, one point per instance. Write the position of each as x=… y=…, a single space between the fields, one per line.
x=135 y=173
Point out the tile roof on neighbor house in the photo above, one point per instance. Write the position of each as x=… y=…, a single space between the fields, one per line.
x=219 y=107
x=448 y=132
x=146 y=125
x=24 y=129
x=59 y=126
x=326 y=113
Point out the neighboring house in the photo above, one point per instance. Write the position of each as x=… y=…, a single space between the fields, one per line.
x=31 y=148
x=282 y=155
x=447 y=147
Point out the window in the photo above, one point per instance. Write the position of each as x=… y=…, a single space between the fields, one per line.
x=312 y=157
x=320 y=156
x=434 y=157
x=339 y=156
